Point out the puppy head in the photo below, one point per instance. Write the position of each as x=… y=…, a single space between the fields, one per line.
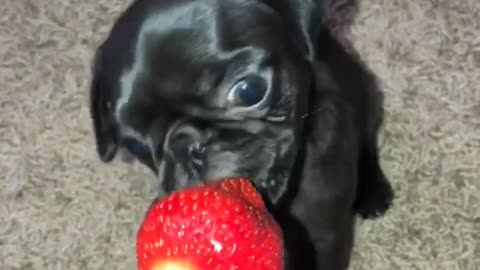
x=201 y=89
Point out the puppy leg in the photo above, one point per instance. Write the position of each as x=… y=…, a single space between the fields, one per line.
x=322 y=239
x=374 y=192
x=321 y=235
x=333 y=246
x=319 y=227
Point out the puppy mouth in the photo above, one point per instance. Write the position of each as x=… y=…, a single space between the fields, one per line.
x=176 y=174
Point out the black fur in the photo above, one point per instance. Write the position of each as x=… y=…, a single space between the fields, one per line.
x=160 y=87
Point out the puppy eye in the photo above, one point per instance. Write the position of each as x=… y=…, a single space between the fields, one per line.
x=248 y=91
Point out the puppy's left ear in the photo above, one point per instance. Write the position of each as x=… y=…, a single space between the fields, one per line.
x=305 y=18
x=101 y=109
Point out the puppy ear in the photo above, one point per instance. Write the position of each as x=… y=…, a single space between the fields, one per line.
x=305 y=18
x=104 y=125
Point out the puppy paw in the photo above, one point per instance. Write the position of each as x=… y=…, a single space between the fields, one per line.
x=374 y=203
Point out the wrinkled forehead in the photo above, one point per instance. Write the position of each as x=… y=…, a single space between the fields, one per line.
x=206 y=27
x=188 y=45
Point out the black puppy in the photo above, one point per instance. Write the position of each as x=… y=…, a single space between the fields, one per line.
x=203 y=89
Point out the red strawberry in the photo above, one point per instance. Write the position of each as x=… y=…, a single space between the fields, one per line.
x=217 y=226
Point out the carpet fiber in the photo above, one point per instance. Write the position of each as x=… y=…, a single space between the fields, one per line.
x=60 y=208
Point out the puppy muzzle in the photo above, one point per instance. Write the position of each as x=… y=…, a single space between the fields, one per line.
x=183 y=158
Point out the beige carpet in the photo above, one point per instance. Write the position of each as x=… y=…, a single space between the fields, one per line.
x=61 y=209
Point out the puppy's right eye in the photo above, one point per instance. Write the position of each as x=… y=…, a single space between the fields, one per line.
x=248 y=92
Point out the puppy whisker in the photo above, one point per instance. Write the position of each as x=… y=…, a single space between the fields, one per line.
x=312 y=112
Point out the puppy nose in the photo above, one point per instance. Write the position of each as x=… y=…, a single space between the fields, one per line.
x=187 y=147
x=195 y=151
